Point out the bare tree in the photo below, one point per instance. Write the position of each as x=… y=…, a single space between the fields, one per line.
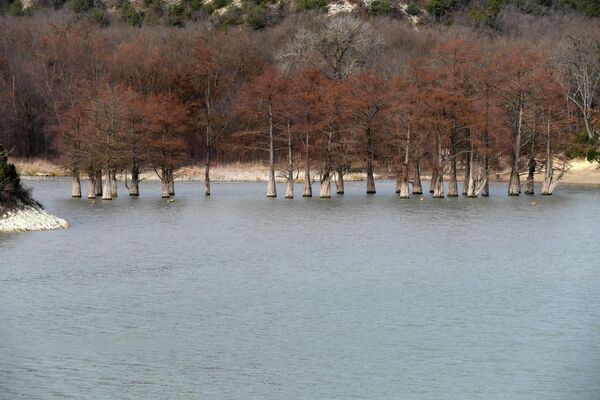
x=581 y=76
x=344 y=45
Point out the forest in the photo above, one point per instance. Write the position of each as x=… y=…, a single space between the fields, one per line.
x=312 y=97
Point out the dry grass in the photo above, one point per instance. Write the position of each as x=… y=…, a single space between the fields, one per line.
x=37 y=167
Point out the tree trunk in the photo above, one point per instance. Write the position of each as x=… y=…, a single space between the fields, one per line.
x=165 y=189
x=164 y=179
x=289 y=192
x=452 y=181
x=404 y=189
x=98 y=182
x=370 y=158
x=339 y=183
x=434 y=178
x=485 y=191
x=435 y=167
x=467 y=176
x=547 y=179
x=76 y=185
x=307 y=183
x=471 y=180
x=106 y=185
x=438 y=184
x=548 y=176
x=325 y=189
x=271 y=187
x=113 y=183
x=417 y=186
x=207 y=173
x=529 y=185
x=531 y=165
x=171 y=182
x=134 y=189
x=91 y=185
x=514 y=187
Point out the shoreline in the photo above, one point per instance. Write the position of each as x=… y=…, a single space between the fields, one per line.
x=581 y=173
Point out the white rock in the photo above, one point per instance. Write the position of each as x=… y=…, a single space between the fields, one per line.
x=30 y=218
x=343 y=6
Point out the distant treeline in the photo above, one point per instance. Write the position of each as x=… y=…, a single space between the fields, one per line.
x=333 y=93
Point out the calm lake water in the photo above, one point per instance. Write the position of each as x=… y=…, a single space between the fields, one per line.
x=358 y=297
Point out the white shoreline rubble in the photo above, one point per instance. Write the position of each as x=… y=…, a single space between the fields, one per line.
x=30 y=218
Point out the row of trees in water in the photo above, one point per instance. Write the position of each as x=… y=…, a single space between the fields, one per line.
x=317 y=107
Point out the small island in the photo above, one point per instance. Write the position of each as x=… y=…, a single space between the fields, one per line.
x=19 y=212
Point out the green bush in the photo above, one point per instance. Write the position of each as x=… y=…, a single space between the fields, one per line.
x=16 y=8
x=255 y=16
x=488 y=14
x=380 y=7
x=81 y=6
x=311 y=5
x=130 y=15
x=439 y=9
x=100 y=17
x=413 y=9
x=12 y=194
x=590 y=8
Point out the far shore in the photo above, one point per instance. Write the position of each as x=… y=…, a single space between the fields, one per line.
x=581 y=173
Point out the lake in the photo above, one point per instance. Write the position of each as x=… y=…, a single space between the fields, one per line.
x=238 y=296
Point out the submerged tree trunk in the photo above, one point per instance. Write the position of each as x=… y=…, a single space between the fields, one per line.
x=134 y=189
x=529 y=185
x=452 y=181
x=289 y=192
x=307 y=183
x=417 y=186
x=98 y=182
x=165 y=189
x=514 y=186
x=91 y=185
x=76 y=185
x=370 y=158
x=106 y=185
x=404 y=189
x=164 y=179
x=435 y=165
x=271 y=187
x=113 y=183
x=171 y=182
x=468 y=160
x=471 y=179
x=550 y=182
x=531 y=165
x=485 y=190
x=339 y=183
x=325 y=189
x=438 y=183
x=207 y=174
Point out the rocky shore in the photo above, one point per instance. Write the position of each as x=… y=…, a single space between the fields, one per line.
x=30 y=218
